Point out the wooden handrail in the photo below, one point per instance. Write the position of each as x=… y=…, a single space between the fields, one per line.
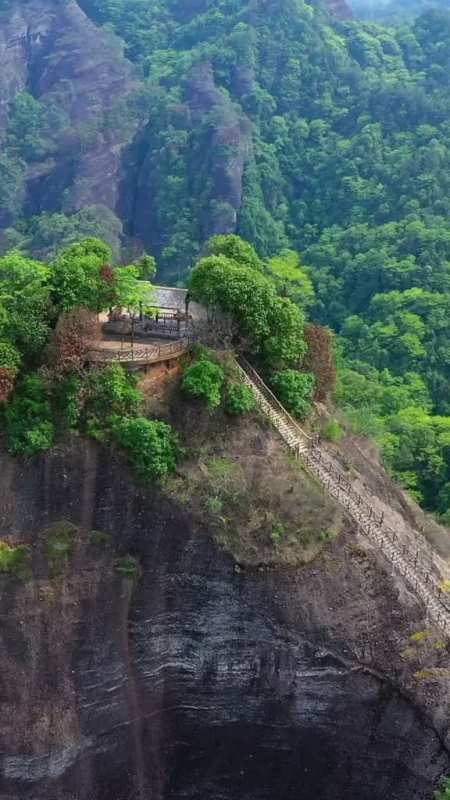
x=412 y=556
x=252 y=373
x=156 y=352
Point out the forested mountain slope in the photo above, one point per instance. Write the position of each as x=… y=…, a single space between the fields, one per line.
x=395 y=12
x=168 y=121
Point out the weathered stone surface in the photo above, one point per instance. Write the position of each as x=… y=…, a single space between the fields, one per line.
x=54 y=51
x=205 y=681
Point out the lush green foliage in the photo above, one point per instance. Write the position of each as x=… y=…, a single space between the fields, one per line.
x=444 y=790
x=9 y=356
x=332 y=431
x=349 y=165
x=239 y=399
x=109 y=391
x=28 y=418
x=25 y=306
x=295 y=390
x=151 y=446
x=13 y=560
x=204 y=379
x=234 y=248
x=77 y=276
x=290 y=278
x=272 y=325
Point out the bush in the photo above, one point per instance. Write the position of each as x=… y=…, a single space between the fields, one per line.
x=151 y=446
x=67 y=402
x=13 y=560
x=9 y=357
x=109 y=392
x=333 y=432
x=295 y=390
x=239 y=399
x=204 y=380
x=9 y=366
x=129 y=567
x=28 y=418
x=444 y=790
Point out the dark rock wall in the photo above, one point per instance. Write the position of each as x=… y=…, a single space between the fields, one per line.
x=52 y=50
x=204 y=681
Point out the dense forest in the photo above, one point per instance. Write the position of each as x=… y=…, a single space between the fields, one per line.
x=302 y=132
x=395 y=12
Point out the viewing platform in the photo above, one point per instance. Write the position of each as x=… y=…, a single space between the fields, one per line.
x=163 y=334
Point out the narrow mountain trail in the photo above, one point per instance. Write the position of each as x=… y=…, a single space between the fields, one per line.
x=404 y=547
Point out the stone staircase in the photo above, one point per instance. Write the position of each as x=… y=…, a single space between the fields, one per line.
x=410 y=555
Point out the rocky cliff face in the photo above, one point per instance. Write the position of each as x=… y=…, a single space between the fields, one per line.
x=200 y=679
x=54 y=52
x=106 y=154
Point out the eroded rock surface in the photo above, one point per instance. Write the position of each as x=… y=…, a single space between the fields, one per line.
x=51 y=50
x=204 y=680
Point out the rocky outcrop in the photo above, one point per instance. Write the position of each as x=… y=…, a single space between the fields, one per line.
x=208 y=146
x=201 y=679
x=53 y=51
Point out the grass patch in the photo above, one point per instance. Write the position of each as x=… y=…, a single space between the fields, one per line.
x=221 y=467
x=13 y=560
x=278 y=532
x=214 y=505
x=409 y=652
x=327 y=536
x=420 y=636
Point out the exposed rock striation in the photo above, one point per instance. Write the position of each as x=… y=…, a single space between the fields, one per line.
x=204 y=680
x=53 y=51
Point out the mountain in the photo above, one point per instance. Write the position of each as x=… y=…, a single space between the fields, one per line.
x=394 y=12
x=154 y=125
x=251 y=116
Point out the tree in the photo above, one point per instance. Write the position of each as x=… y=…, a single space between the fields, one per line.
x=151 y=446
x=28 y=418
x=267 y=325
x=239 y=399
x=25 y=307
x=319 y=360
x=234 y=248
x=295 y=390
x=291 y=279
x=204 y=379
x=72 y=338
x=77 y=276
x=9 y=367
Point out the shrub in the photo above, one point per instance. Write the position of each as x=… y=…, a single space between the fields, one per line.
x=151 y=446
x=214 y=505
x=333 y=431
x=129 y=567
x=9 y=357
x=13 y=560
x=239 y=399
x=69 y=348
x=444 y=790
x=28 y=418
x=9 y=366
x=204 y=380
x=319 y=360
x=67 y=402
x=109 y=391
x=295 y=390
